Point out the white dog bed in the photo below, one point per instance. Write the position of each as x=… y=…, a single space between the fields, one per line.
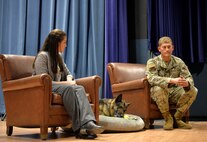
x=127 y=124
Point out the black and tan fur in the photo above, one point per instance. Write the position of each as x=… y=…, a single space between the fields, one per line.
x=113 y=107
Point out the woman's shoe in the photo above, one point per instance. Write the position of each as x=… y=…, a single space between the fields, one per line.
x=86 y=136
x=91 y=128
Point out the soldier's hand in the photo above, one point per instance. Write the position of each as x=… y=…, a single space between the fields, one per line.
x=182 y=82
x=174 y=80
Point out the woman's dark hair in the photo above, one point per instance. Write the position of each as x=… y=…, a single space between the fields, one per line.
x=51 y=46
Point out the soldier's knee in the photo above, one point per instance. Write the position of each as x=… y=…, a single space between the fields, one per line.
x=158 y=89
x=193 y=92
x=158 y=94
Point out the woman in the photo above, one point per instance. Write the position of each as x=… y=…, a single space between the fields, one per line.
x=50 y=61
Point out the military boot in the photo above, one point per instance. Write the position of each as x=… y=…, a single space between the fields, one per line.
x=168 y=121
x=178 y=118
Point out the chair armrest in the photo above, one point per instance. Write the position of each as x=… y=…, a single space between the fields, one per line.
x=91 y=85
x=129 y=85
x=27 y=82
x=30 y=94
x=124 y=72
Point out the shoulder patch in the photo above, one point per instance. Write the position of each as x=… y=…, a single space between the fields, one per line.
x=151 y=65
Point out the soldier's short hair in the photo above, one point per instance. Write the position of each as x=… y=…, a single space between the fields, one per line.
x=164 y=39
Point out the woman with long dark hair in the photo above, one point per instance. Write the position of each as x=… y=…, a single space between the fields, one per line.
x=50 y=61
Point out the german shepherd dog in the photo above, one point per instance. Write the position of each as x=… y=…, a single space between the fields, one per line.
x=113 y=107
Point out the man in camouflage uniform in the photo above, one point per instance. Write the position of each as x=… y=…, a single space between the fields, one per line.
x=171 y=82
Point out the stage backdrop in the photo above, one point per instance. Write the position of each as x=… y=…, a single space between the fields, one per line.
x=96 y=30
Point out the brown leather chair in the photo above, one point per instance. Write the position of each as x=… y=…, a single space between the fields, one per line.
x=29 y=100
x=130 y=80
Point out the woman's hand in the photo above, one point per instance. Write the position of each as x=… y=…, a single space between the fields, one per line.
x=73 y=82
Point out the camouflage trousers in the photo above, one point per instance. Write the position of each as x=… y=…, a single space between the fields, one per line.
x=174 y=95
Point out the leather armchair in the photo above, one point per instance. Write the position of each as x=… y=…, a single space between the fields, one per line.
x=130 y=80
x=29 y=100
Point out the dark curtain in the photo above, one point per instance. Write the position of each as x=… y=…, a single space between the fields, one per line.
x=185 y=22
x=116 y=37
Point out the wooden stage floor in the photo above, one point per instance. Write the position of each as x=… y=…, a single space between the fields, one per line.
x=157 y=134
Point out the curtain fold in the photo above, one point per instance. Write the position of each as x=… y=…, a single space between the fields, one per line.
x=13 y=26
x=184 y=21
x=116 y=37
x=2 y=105
x=32 y=27
x=86 y=36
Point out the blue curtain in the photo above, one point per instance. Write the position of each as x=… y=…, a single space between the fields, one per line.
x=116 y=37
x=2 y=106
x=185 y=22
x=24 y=24
x=96 y=30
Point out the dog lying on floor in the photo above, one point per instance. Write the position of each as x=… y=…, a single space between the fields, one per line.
x=113 y=107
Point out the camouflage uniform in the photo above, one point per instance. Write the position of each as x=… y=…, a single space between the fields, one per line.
x=162 y=92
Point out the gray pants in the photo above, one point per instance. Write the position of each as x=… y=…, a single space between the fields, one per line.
x=76 y=104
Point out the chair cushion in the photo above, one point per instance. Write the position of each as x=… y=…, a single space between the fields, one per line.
x=57 y=99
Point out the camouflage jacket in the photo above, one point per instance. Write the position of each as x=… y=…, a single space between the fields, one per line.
x=159 y=73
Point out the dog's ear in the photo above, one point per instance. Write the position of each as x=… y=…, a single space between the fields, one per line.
x=127 y=104
x=118 y=98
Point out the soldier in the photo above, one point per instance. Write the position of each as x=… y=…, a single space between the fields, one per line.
x=171 y=82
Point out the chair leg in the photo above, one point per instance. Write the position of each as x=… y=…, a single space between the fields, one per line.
x=151 y=123
x=43 y=132
x=53 y=129
x=147 y=123
x=9 y=130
